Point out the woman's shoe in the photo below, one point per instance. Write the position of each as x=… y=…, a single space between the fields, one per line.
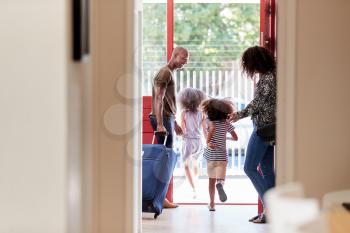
x=261 y=219
x=254 y=218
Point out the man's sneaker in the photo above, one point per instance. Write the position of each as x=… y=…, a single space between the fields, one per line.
x=221 y=191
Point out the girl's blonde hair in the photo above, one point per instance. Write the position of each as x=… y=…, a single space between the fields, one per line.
x=218 y=109
x=190 y=98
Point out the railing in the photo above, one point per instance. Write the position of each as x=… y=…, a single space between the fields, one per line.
x=215 y=83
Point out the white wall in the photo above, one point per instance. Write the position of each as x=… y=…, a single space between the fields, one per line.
x=313 y=84
x=70 y=138
x=117 y=117
x=33 y=161
x=45 y=99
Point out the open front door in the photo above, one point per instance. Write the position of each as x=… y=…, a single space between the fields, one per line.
x=267 y=36
x=268 y=24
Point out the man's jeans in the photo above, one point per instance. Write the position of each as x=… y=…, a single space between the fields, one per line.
x=168 y=123
x=260 y=153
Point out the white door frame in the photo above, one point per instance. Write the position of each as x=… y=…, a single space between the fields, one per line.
x=286 y=115
x=286 y=71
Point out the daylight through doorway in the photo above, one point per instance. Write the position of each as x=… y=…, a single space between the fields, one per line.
x=215 y=33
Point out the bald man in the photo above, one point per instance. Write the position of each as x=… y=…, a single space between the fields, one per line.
x=163 y=113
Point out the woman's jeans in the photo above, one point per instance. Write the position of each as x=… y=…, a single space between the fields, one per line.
x=260 y=153
x=168 y=123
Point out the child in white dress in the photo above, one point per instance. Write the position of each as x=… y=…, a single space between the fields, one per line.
x=192 y=122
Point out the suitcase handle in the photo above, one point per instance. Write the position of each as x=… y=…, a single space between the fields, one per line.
x=166 y=136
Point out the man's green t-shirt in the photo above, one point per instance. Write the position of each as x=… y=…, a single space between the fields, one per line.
x=164 y=78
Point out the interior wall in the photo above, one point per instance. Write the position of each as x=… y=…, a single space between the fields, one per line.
x=79 y=141
x=320 y=94
x=117 y=116
x=46 y=99
x=80 y=146
x=33 y=119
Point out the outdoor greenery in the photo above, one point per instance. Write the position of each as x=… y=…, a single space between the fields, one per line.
x=215 y=34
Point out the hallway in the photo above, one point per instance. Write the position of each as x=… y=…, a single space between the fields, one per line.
x=71 y=130
x=197 y=219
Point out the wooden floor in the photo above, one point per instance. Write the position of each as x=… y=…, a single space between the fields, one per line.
x=197 y=219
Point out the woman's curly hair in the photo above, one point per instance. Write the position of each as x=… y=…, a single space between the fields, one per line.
x=258 y=59
x=190 y=98
x=218 y=109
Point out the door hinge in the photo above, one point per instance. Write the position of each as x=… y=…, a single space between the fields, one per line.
x=269 y=9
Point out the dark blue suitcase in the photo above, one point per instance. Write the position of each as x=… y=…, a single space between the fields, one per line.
x=158 y=163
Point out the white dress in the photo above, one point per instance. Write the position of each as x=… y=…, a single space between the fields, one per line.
x=192 y=140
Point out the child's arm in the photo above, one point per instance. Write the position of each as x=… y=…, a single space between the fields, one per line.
x=183 y=122
x=231 y=130
x=204 y=127
x=211 y=130
x=234 y=135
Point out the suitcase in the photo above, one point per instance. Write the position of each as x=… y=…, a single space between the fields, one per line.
x=158 y=163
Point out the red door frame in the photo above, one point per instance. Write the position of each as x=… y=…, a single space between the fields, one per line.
x=169 y=50
x=267 y=38
x=170 y=28
x=268 y=24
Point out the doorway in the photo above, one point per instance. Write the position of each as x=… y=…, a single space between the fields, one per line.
x=215 y=33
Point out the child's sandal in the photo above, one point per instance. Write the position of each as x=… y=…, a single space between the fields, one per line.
x=211 y=208
x=221 y=192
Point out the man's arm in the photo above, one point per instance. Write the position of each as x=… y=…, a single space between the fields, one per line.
x=178 y=129
x=159 y=96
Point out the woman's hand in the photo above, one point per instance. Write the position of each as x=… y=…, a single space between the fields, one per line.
x=233 y=117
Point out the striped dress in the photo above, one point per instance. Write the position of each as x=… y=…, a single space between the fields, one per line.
x=219 y=139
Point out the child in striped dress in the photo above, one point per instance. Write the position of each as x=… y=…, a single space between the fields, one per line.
x=192 y=123
x=217 y=112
